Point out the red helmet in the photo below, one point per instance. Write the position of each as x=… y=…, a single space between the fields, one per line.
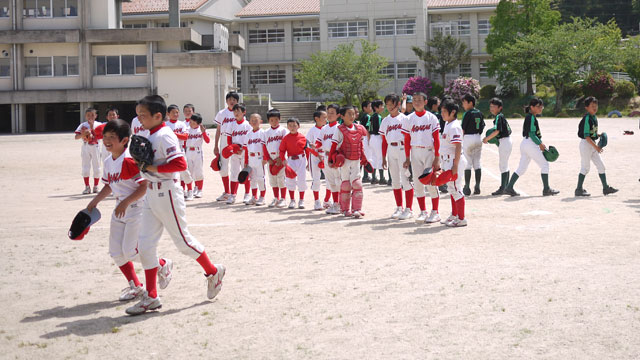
x=290 y=173
x=215 y=163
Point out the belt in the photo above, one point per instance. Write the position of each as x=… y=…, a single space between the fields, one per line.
x=446 y=156
x=422 y=147
x=158 y=185
x=254 y=154
x=294 y=157
x=194 y=148
x=395 y=143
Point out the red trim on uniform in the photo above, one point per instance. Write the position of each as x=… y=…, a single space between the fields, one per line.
x=129 y=169
x=327 y=195
x=408 y=194
x=150 y=276
x=454 y=208
x=436 y=142
x=407 y=144
x=175 y=165
x=385 y=146
x=421 y=113
x=155 y=129
x=205 y=137
x=175 y=216
x=397 y=194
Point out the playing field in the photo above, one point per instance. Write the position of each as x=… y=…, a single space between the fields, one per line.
x=530 y=277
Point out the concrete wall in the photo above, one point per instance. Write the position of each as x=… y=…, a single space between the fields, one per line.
x=129 y=49
x=52 y=23
x=55 y=49
x=102 y=14
x=6 y=24
x=120 y=81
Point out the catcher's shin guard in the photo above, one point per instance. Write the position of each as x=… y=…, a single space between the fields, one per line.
x=356 y=197
x=345 y=195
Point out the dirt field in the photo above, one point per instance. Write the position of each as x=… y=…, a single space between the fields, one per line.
x=530 y=277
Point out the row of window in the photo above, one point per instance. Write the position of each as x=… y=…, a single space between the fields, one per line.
x=50 y=66
x=405 y=70
x=43 y=8
x=460 y=28
x=121 y=65
x=144 y=25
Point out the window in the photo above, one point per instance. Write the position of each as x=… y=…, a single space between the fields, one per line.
x=276 y=76
x=121 y=65
x=266 y=36
x=134 y=26
x=42 y=66
x=239 y=79
x=128 y=64
x=5 y=9
x=465 y=70
x=306 y=34
x=385 y=27
x=464 y=28
x=141 y=64
x=406 y=27
x=166 y=24
x=73 y=66
x=31 y=66
x=395 y=27
x=37 y=8
x=348 y=29
x=484 y=70
x=267 y=77
x=388 y=71
x=64 y=66
x=45 y=68
x=5 y=68
x=113 y=65
x=484 y=27
x=65 y=8
x=406 y=71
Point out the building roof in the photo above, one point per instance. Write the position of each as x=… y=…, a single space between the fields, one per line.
x=280 y=7
x=460 y=3
x=158 y=6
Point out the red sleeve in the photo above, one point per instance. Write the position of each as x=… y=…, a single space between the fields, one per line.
x=436 y=142
x=385 y=146
x=176 y=165
x=283 y=147
x=265 y=154
x=129 y=169
x=334 y=149
x=182 y=136
x=309 y=150
x=246 y=155
x=318 y=144
x=205 y=137
x=98 y=131
x=229 y=140
x=363 y=157
x=407 y=144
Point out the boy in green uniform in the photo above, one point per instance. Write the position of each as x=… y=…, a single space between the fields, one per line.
x=375 y=141
x=472 y=126
x=502 y=132
x=364 y=121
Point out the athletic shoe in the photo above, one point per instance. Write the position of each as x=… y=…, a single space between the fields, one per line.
x=406 y=214
x=447 y=220
x=390 y=183
x=247 y=199
x=273 y=202
x=301 y=204
x=347 y=213
x=197 y=193
x=326 y=204
x=317 y=205
x=334 y=210
x=357 y=214
x=550 y=192
x=374 y=181
x=189 y=195
x=581 y=192
x=609 y=190
x=443 y=189
x=282 y=203
x=95 y=190
x=498 y=192
x=146 y=304
x=366 y=179
x=223 y=197
x=457 y=223
x=260 y=201
x=292 y=204
x=466 y=191
x=252 y=201
x=397 y=212
x=422 y=217
x=131 y=292
x=184 y=194
x=214 y=282
x=231 y=199
x=510 y=191
x=434 y=217
x=476 y=190
x=165 y=274
x=87 y=190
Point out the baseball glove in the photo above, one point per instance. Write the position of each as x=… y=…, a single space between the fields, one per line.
x=141 y=151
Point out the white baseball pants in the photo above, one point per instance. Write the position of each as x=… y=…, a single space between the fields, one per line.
x=298 y=165
x=472 y=148
x=350 y=171
x=587 y=155
x=257 y=172
x=530 y=151
x=422 y=158
x=315 y=172
x=124 y=232
x=195 y=159
x=454 y=187
x=91 y=159
x=504 y=151
x=395 y=159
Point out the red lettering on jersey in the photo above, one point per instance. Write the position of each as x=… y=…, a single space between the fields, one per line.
x=253 y=141
x=195 y=136
x=240 y=133
x=327 y=137
x=113 y=178
x=394 y=127
x=274 y=139
x=137 y=129
x=417 y=128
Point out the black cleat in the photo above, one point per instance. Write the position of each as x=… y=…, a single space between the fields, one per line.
x=498 y=192
x=582 y=192
x=443 y=189
x=550 y=192
x=466 y=191
x=476 y=190
x=511 y=192
x=609 y=190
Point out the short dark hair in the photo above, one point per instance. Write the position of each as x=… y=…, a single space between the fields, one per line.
x=534 y=102
x=344 y=109
x=469 y=98
x=365 y=104
x=589 y=100
x=451 y=106
x=495 y=101
x=393 y=97
x=420 y=93
x=335 y=107
x=155 y=104
x=293 y=119
x=90 y=109
x=432 y=101
x=273 y=113
x=114 y=109
x=232 y=94
x=197 y=118
x=172 y=107
x=189 y=106
x=321 y=107
x=317 y=114
x=239 y=106
x=375 y=104
x=119 y=127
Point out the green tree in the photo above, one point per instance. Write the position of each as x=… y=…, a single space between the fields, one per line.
x=343 y=73
x=631 y=59
x=515 y=20
x=443 y=54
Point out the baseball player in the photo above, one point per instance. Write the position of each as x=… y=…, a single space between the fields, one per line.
x=138 y=129
x=255 y=153
x=90 y=152
x=332 y=175
x=273 y=138
x=348 y=141
x=223 y=118
x=121 y=178
x=236 y=133
x=433 y=105
x=294 y=149
x=365 y=116
x=422 y=148
x=165 y=207
x=375 y=141
x=501 y=131
x=196 y=133
x=473 y=127
x=393 y=147
x=180 y=128
x=320 y=117
x=451 y=153
x=532 y=148
x=589 y=150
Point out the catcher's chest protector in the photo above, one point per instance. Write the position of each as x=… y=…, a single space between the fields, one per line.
x=351 y=140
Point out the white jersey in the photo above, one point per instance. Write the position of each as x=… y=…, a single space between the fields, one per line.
x=391 y=128
x=255 y=141
x=166 y=147
x=238 y=132
x=313 y=134
x=85 y=125
x=421 y=128
x=223 y=118
x=326 y=135
x=196 y=138
x=178 y=127
x=122 y=175
x=273 y=138
x=451 y=135
x=138 y=129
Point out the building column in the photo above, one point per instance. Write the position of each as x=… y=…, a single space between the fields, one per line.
x=17 y=13
x=18 y=118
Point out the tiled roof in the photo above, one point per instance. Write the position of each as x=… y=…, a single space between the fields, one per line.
x=154 y=6
x=280 y=7
x=460 y=3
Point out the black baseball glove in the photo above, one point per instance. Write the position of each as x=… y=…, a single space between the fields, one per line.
x=141 y=151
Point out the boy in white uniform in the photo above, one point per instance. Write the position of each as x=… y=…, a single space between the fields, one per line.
x=138 y=129
x=236 y=133
x=223 y=118
x=273 y=137
x=332 y=175
x=90 y=152
x=313 y=134
x=255 y=153
x=453 y=160
x=197 y=133
x=180 y=128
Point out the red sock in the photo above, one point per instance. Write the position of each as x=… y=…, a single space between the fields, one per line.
x=247 y=186
x=327 y=196
x=460 y=208
x=254 y=192
x=199 y=184
x=397 y=193
x=409 y=198
x=316 y=195
x=86 y=181
x=335 y=195
x=225 y=183
x=130 y=273
x=234 y=187
x=190 y=186
x=276 y=193
x=421 y=202
x=182 y=184
x=206 y=264
x=283 y=193
x=263 y=193
x=292 y=194
x=150 y=277
x=96 y=181
x=454 y=207
x=435 y=202
x=301 y=195
x=162 y=261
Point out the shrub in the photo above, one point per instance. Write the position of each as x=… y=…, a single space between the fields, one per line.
x=436 y=90
x=417 y=84
x=516 y=115
x=508 y=91
x=573 y=91
x=562 y=114
x=599 y=84
x=624 y=89
x=461 y=86
x=544 y=91
x=488 y=92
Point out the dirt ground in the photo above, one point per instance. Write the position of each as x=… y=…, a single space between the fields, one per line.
x=530 y=277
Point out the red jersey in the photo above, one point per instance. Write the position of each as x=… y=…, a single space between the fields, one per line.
x=293 y=145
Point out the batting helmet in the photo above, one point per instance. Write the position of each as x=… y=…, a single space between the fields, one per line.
x=604 y=140
x=227 y=151
x=275 y=169
x=551 y=154
x=445 y=177
x=244 y=174
x=288 y=171
x=494 y=140
x=427 y=177
x=82 y=222
x=215 y=163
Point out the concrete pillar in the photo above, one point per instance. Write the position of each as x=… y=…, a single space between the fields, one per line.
x=18 y=118
x=174 y=13
x=17 y=14
x=40 y=117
